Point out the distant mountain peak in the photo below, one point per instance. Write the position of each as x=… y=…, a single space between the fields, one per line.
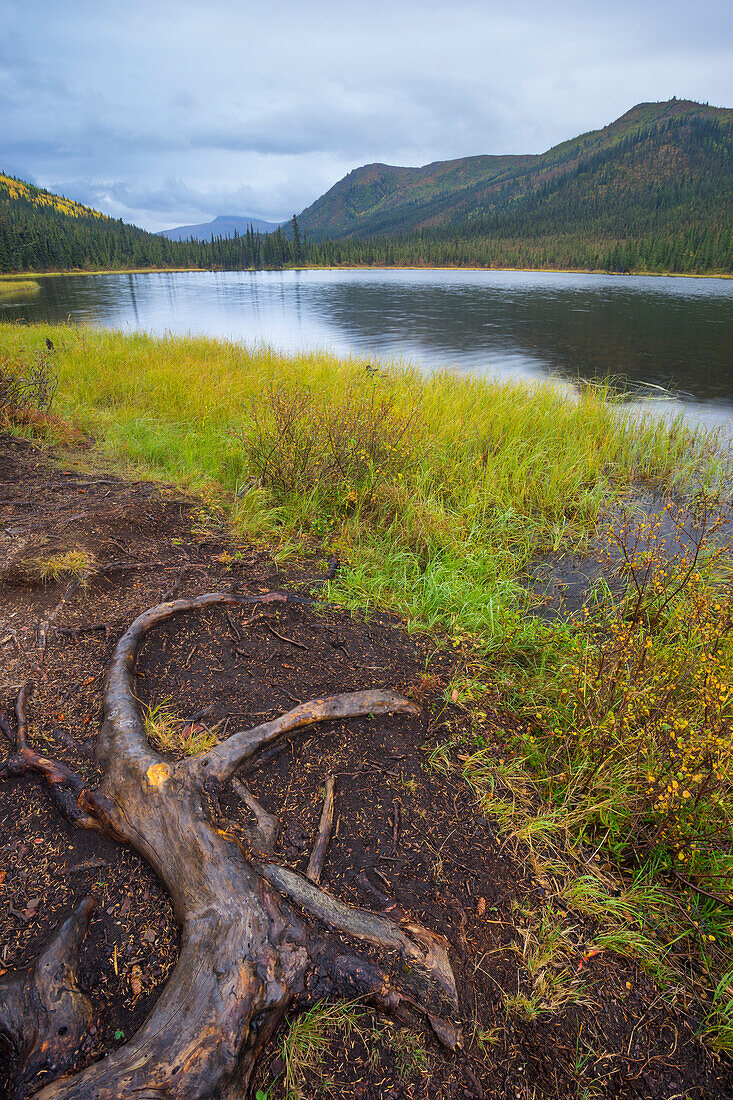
x=223 y=225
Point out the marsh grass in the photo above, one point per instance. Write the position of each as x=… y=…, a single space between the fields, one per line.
x=436 y=490
x=18 y=288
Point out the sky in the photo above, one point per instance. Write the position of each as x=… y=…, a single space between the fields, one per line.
x=170 y=113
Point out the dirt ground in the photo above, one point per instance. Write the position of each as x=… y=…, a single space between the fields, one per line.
x=408 y=836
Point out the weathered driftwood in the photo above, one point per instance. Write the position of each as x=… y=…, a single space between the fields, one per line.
x=254 y=935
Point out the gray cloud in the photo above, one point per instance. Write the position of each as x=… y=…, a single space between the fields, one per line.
x=167 y=112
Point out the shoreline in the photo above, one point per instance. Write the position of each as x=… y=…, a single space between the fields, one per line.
x=370 y=267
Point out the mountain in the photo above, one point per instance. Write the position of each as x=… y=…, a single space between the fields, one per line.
x=662 y=168
x=223 y=226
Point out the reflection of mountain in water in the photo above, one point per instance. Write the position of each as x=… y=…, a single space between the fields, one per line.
x=675 y=333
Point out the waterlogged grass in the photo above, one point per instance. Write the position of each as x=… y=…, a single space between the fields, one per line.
x=18 y=288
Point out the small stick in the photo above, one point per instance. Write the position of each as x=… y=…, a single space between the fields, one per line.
x=87 y=865
x=232 y=626
x=282 y=636
x=201 y=714
x=396 y=825
x=318 y=856
x=23 y=694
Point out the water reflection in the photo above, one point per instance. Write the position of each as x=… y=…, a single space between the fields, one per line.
x=676 y=333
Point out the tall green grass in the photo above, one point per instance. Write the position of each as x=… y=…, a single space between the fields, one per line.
x=490 y=474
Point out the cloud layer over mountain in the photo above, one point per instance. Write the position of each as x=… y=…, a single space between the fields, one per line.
x=169 y=112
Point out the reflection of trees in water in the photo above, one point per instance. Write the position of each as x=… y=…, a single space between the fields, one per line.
x=103 y=299
x=667 y=338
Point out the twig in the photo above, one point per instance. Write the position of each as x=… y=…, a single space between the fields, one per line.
x=396 y=825
x=200 y=714
x=24 y=693
x=177 y=582
x=705 y=893
x=282 y=636
x=87 y=865
x=232 y=626
x=318 y=855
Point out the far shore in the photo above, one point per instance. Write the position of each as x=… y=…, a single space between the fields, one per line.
x=370 y=267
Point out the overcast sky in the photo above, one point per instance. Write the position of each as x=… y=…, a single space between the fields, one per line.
x=167 y=113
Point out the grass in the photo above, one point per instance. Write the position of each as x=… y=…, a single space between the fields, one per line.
x=78 y=562
x=169 y=733
x=437 y=527
x=308 y=1036
x=18 y=288
x=439 y=493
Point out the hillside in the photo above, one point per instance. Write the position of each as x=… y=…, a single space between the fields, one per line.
x=225 y=225
x=40 y=231
x=662 y=170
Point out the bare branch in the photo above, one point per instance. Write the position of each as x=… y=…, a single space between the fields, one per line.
x=264 y=835
x=222 y=761
x=123 y=731
x=318 y=855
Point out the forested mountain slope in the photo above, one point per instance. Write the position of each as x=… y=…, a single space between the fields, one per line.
x=654 y=189
x=651 y=192
x=40 y=231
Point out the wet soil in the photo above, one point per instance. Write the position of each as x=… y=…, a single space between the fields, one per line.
x=408 y=835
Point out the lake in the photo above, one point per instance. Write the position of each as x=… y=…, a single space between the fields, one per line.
x=675 y=333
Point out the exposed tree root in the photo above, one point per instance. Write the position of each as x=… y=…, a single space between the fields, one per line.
x=44 y=1016
x=248 y=953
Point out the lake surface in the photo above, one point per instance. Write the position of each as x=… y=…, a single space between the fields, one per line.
x=675 y=333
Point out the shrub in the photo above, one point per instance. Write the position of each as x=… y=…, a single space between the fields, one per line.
x=27 y=387
x=642 y=708
x=343 y=450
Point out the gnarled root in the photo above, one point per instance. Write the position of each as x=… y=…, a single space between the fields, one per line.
x=247 y=954
x=44 y=1016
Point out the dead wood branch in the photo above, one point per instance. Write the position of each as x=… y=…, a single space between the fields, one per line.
x=264 y=836
x=325 y=827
